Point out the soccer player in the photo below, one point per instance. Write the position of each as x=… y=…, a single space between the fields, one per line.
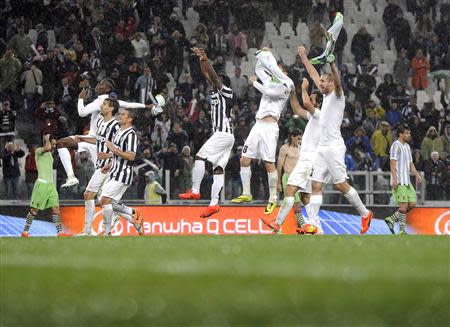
x=401 y=167
x=107 y=127
x=123 y=149
x=44 y=194
x=299 y=179
x=218 y=147
x=102 y=89
x=330 y=159
x=262 y=141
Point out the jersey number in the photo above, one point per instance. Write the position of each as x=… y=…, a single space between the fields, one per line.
x=244 y=150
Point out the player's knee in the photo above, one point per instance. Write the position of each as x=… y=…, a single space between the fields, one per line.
x=34 y=212
x=88 y=195
x=218 y=170
x=55 y=210
x=245 y=161
x=316 y=187
x=290 y=191
x=104 y=201
x=305 y=198
x=342 y=187
x=411 y=206
x=270 y=166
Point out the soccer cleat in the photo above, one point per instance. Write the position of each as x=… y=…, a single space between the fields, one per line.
x=271 y=224
x=403 y=232
x=390 y=222
x=209 y=211
x=189 y=195
x=115 y=220
x=309 y=229
x=138 y=221
x=25 y=234
x=70 y=181
x=83 y=233
x=365 y=222
x=242 y=198
x=270 y=208
x=62 y=234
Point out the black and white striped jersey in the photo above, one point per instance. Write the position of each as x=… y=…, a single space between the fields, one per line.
x=105 y=132
x=221 y=104
x=122 y=169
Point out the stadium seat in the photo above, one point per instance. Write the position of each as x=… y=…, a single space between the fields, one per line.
x=437 y=100
x=301 y=29
x=422 y=97
x=389 y=57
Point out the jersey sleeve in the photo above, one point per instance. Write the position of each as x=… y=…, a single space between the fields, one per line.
x=226 y=92
x=39 y=151
x=129 y=105
x=395 y=152
x=92 y=107
x=272 y=90
x=130 y=144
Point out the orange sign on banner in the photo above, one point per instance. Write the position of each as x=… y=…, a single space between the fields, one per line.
x=431 y=221
x=181 y=220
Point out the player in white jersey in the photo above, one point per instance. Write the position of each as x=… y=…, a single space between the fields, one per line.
x=107 y=127
x=330 y=159
x=299 y=179
x=218 y=147
x=262 y=141
x=102 y=89
x=402 y=166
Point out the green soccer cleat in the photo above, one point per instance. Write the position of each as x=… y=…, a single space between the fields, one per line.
x=270 y=208
x=390 y=223
x=242 y=198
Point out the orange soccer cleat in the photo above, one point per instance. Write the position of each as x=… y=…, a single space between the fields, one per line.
x=307 y=229
x=139 y=221
x=209 y=211
x=271 y=224
x=189 y=195
x=365 y=222
x=25 y=234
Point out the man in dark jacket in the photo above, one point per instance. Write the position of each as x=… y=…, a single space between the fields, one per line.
x=11 y=172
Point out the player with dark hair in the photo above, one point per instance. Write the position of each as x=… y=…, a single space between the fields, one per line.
x=402 y=166
x=218 y=147
x=44 y=194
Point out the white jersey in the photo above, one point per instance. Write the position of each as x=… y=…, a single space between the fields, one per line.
x=402 y=154
x=311 y=136
x=331 y=120
x=273 y=100
x=93 y=109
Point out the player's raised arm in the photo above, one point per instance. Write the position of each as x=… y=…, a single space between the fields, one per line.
x=336 y=79
x=309 y=67
x=296 y=107
x=305 y=97
x=92 y=107
x=207 y=70
x=47 y=144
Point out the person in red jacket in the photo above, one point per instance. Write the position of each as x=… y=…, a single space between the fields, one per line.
x=420 y=68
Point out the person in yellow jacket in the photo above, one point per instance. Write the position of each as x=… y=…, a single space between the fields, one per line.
x=153 y=190
x=381 y=142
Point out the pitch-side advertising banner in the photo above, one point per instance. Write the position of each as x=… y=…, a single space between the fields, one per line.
x=431 y=221
x=181 y=220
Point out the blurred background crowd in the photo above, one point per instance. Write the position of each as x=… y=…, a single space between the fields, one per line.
x=393 y=56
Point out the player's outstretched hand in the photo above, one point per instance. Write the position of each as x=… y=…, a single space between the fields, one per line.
x=110 y=146
x=156 y=110
x=418 y=179
x=305 y=83
x=83 y=94
x=301 y=51
x=103 y=155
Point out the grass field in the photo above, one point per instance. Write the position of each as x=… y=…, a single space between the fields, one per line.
x=226 y=281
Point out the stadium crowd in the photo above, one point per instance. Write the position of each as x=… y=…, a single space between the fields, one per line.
x=144 y=47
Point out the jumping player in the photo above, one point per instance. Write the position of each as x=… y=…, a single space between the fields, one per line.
x=218 y=147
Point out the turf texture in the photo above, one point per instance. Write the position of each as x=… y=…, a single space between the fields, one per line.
x=265 y=280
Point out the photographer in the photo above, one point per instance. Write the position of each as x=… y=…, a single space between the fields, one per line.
x=11 y=171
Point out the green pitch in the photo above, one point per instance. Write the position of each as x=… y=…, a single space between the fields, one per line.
x=226 y=281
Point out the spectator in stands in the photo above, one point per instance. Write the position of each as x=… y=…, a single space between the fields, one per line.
x=239 y=85
x=340 y=45
x=418 y=160
x=175 y=46
x=381 y=143
x=359 y=147
x=141 y=49
x=10 y=68
x=32 y=80
x=430 y=143
x=20 y=44
x=389 y=15
x=7 y=123
x=372 y=107
x=11 y=169
x=317 y=35
x=48 y=115
x=255 y=24
x=386 y=91
x=420 y=68
x=172 y=162
x=370 y=123
x=178 y=136
x=360 y=46
x=237 y=44
x=66 y=95
x=418 y=43
x=174 y=24
x=402 y=32
x=441 y=30
x=153 y=190
x=200 y=34
x=402 y=68
x=394 y=116
x=145 y=87
x=42 y=37
x=186 y=170
x=31 y=172
x=445 y=137
x=241 y=132
x=437 y=54
x=365 y=83
x=218 y=45
x=85 y=170
x=435 y=173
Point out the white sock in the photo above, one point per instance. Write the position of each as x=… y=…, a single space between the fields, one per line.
x=123 y=211
x=66 y=161
x=215 y=189
x=273 y=180
x=107 y=218
x=354 y=199
x=246 y=175
x=197 y=175
x=286 y=206
x=89 y=212
x=315 y=203
x=308 y=212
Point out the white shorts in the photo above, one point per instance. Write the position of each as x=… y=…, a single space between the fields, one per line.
x=96 y=181
x=262 y=141
x=301 y=175
x=88 y=147
x=217 y=149
x=113 y=189
x=329 y=165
